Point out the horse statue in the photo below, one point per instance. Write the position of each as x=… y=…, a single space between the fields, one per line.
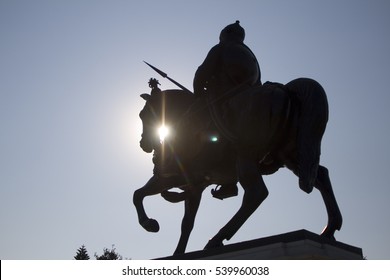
x=256 y=131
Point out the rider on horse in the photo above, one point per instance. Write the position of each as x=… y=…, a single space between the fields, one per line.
x=227 y=65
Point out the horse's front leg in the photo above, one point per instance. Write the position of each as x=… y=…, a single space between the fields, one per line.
x=255 y=192
x=191 y=205
x=155 y=185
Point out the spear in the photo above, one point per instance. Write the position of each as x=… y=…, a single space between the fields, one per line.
x=164 y=75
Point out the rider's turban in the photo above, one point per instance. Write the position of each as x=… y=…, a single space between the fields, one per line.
x=232 y=32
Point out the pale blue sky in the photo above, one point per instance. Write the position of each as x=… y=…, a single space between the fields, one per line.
x=70 y=77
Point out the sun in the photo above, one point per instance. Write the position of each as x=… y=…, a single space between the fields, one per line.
x=163 y=132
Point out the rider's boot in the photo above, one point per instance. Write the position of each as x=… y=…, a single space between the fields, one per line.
x=225 y=191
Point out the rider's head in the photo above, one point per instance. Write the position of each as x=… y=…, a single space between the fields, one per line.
x=232 y=33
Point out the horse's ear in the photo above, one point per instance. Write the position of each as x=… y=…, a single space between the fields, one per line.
x=146 y=96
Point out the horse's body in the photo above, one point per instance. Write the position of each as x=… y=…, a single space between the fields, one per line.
x=272 y=127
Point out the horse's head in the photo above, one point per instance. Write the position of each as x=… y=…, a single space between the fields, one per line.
x=161 y=111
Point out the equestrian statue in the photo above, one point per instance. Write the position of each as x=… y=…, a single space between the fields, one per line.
x=232 y=129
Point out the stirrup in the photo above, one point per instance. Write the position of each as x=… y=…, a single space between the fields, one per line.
x=221 y=192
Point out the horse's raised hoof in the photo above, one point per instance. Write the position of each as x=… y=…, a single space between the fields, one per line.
x=213 y=244
x=151 y=225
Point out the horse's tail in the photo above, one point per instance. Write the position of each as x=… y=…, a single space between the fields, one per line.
x=312 y=120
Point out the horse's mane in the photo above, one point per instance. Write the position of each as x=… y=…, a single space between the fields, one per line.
x=176 y=98
x=177 y=91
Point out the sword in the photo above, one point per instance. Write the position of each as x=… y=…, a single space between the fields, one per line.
x=164 y=75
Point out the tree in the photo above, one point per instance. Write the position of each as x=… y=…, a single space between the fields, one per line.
x=82 y=254
x=109 y=255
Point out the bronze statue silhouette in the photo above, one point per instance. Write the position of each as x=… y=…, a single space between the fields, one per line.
x=260 y=128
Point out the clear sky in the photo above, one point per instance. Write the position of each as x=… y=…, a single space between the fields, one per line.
x=71 y=73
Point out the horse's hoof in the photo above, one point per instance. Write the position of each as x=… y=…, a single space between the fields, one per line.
x=328 y=233
x=151 y=225
x=178 y=252
x=213 y=244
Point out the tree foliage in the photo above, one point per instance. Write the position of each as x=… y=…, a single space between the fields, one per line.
x=109 y=255
x=82 y=254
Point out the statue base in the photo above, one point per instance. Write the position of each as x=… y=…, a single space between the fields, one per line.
x=297 y=245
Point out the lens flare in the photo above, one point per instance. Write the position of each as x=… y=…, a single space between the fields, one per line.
x=163 y=132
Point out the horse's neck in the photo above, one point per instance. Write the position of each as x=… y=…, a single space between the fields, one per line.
x=176 y=103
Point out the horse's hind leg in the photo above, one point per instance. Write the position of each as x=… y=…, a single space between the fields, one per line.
x=335 y=219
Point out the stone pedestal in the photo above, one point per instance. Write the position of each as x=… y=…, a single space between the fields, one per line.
x=297 y=245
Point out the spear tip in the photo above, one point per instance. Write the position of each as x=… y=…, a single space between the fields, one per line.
x=166 y=76
x=156 y=69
